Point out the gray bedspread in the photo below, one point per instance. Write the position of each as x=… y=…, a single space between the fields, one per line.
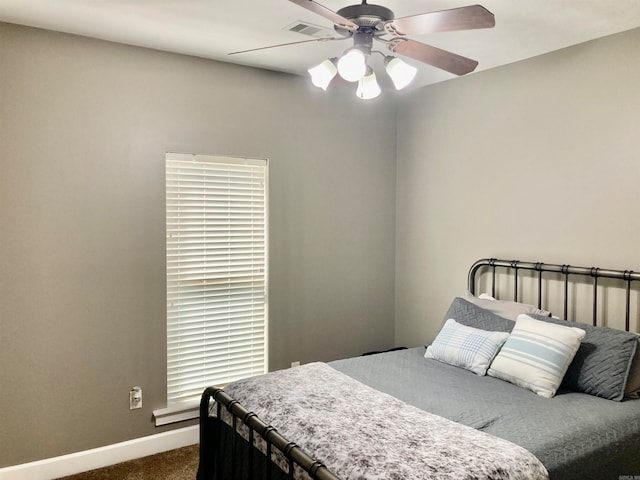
x=323 y=411
x=574 y=435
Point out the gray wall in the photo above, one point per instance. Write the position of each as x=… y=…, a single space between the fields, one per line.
x=84 y=126
x=538 y=161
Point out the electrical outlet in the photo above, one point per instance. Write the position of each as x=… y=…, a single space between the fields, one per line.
x=135 y=398
x=295 y=364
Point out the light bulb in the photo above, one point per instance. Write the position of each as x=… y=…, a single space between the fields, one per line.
x=401 y=73
x=368 y=87
x=352 y=65
x=322 y=74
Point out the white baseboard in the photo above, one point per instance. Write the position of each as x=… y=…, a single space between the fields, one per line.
x=73 y=463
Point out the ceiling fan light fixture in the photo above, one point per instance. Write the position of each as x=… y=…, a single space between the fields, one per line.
x=400 y=72
x=352 y=66
x=364 y=23
x=368 y=87
x=322 y=74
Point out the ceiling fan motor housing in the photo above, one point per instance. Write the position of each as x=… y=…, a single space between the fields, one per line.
x=368 y=17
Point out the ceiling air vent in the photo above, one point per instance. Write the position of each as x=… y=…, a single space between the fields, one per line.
x=310 y=30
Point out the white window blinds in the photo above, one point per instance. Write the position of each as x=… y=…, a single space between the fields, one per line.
x=216 y=272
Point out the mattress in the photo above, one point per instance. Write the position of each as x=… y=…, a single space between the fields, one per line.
x=574 y=435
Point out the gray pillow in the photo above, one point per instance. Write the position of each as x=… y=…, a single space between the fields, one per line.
x=602 y=363
x=471 y=315
x=633 y=382
x=505 y=308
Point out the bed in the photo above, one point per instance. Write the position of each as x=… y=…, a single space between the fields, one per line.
x=440 y=412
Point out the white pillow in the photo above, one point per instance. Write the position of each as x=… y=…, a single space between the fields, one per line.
x=466 y=347
x=484 y=296
x=537 y=355
x=504 y=308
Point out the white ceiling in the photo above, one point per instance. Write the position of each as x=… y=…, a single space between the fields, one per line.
x=214 y=28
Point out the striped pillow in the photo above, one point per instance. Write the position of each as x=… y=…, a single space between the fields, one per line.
x=537 y=355
x=466 y=347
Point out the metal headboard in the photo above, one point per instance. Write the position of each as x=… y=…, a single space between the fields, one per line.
x=513 y=266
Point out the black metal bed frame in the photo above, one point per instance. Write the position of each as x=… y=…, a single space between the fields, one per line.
x=214 y=429
x=625 y=276
x=241 y=416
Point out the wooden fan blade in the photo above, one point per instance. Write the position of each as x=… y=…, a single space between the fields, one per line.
x=290 y=43
x=464 y=18
x=447 y=61
x=325 y=12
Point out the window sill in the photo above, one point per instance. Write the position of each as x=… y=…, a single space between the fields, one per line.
x=176 y=413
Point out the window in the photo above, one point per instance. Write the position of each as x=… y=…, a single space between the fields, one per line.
x=216 y=216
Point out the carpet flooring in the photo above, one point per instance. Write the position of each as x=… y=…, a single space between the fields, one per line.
x=180 y=464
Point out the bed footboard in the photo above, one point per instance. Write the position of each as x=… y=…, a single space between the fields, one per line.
x=225 y=453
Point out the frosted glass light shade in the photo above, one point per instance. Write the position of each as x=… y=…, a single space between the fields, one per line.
x=352 y=65
x=322 y=74
x=368 y=87
x=401 y=73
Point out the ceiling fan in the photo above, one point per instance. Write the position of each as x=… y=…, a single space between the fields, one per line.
x=364 y=23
